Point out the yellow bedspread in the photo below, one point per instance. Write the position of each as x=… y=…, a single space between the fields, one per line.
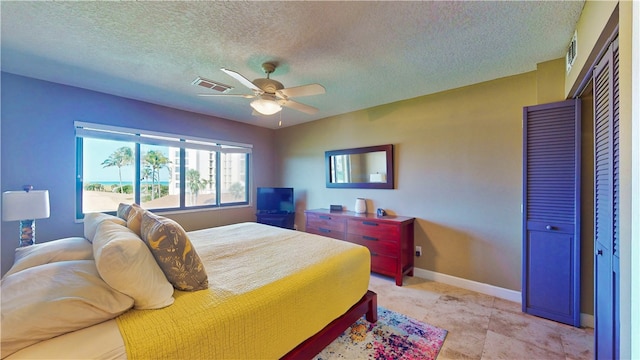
x=269 y=290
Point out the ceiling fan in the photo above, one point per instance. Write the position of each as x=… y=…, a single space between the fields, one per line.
x=270 y=95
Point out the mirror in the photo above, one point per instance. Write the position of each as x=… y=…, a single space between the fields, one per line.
x=367 y=167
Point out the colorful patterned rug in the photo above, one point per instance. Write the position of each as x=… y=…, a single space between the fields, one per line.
x=394 y=336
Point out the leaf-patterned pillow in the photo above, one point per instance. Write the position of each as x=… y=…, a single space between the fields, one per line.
x=174 y=252
x=134 y=218
x=123 y=211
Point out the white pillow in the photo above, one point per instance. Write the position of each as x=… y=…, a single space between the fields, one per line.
x=92 y=220
x=126 y=263
x=48 y=300
x=73 y=248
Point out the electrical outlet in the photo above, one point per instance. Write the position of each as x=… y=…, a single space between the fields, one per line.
x=418 y=251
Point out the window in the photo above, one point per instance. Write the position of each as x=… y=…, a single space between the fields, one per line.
x=155 y=178
x=234 y=176
x=108 y=174
x=200 y=178
x=158 y=171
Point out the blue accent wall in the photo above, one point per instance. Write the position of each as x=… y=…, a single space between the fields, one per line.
x=38 y=144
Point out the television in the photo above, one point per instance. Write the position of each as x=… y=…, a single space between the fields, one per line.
x=275 y=200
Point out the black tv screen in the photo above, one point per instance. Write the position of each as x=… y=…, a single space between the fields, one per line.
x=275 y=200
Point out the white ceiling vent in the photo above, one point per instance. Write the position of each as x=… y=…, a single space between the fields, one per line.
x=572 y=52
x=213 y=85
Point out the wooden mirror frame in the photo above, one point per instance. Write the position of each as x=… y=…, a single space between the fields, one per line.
x=389 y=184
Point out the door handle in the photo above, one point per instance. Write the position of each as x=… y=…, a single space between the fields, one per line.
x=599 y=252
x=549 y=227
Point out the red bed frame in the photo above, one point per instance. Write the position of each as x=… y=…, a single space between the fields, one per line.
x=312 y=346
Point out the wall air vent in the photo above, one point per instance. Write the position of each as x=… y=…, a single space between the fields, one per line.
x=572 y=52
x=210 y=84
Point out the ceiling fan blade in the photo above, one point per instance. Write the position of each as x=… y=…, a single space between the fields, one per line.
x=304 y=90
x=246 y=96
x=243 y=80
x=299 y=106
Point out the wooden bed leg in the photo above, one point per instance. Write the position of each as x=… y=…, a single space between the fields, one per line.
x=372 y=311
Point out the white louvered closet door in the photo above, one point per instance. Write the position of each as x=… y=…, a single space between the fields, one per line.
x=606 y=204
x=551 y=208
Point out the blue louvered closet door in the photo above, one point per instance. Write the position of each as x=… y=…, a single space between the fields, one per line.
x=551 y=211
x=606 y=204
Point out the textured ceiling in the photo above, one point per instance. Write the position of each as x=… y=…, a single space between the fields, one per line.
x=364 y=53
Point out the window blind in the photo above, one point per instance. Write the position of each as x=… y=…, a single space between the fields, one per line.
x=109 y=132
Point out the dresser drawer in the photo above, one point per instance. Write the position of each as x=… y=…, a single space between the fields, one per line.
x=379 y=230
x=336 y=234
x=375 y=245
x=321 y=221
x=384 y=264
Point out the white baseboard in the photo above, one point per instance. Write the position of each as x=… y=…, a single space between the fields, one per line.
x=516 y=296
x=587 y=320
x=482 y=288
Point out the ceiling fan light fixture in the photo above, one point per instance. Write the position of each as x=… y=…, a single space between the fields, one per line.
x=265 y=106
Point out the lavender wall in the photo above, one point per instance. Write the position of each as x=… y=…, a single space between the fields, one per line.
x=38 y=148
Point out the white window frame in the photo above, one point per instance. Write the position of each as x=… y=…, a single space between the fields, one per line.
x=147 y=137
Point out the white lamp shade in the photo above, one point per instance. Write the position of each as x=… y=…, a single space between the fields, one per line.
x=22 y=205
x=265 y=106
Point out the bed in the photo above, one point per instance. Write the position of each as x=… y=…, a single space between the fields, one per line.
x=246 y=290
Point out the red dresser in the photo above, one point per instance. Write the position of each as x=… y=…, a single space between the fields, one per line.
x=388 y=238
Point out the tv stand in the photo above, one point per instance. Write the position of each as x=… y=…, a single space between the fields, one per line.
x=283 y=220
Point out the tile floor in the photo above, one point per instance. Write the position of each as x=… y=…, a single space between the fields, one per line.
x=482 y=326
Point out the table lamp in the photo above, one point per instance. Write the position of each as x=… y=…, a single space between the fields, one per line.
x=25 y=206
